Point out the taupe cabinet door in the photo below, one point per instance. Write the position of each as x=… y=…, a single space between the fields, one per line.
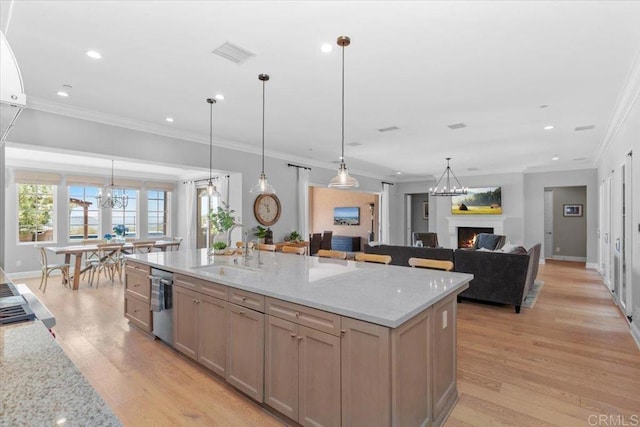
x=212 y=333
x=302 y=373
x=245 y=350
x=366 y=388
x=185 y=319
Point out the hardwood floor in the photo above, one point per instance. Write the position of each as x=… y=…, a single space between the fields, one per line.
x=569 y=358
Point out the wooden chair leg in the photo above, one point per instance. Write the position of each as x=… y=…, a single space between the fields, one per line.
x=41 y=279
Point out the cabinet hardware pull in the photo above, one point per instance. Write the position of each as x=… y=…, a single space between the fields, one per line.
x=241 y=312
x=244 y=299
x=293 y=335
x=195 y=300
x=342 y=331
x=297 y=314
x=299 y=338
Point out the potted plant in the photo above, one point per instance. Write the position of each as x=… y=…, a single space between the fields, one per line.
x=295 y=237
x=222 y=221
x=219 y=247
x=261 y=233
x=120 y=231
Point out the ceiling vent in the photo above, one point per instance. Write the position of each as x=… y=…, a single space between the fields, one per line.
x=457 y=126
x=389 y=129
x=233 y=53
x=588 y=127
x=354 y=144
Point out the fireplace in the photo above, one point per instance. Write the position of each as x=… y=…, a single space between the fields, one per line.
x=467 y=235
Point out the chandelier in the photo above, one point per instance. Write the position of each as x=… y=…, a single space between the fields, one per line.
x=343 y=179
x=447 y=189
x=114 y=198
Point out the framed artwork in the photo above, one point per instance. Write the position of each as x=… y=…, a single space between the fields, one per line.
x=571 y=210
x=425 y=210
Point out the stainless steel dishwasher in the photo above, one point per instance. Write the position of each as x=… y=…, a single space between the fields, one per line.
x=163 y=319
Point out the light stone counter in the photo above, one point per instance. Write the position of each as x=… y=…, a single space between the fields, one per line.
x=40 y=386
x=383 y=294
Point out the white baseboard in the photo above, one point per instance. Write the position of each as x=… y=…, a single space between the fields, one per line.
x=27 y=274
x=635 y=332
x=569 y=258
x=592 y=265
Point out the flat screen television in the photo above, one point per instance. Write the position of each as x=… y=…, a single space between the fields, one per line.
x=478 y=201
x=346 y=216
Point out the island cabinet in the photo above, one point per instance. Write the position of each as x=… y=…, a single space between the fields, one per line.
x=245 y=344
x=137 y=295
x=302 y=364
x=200 y=321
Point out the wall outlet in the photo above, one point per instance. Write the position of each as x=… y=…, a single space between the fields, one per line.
x=444 y=319
x=18 y=263
x=558 y=249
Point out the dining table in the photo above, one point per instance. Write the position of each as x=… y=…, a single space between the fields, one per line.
x=80 y=250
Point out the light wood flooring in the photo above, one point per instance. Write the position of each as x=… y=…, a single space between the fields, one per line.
x=569 y=358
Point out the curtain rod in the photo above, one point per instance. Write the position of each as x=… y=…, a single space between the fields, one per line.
x=291 y=165
x=215 y=178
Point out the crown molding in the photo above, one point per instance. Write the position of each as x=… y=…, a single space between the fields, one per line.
x=627 y=99
x=46 y=106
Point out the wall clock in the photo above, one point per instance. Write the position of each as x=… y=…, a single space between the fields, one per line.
x=266 y=208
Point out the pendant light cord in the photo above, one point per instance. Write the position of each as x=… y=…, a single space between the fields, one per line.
x=112 y=173
x=210 y=139
x=263 y=85
x=342 y=158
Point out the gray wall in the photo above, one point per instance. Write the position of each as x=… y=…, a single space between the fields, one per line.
x=53 y=131
x=534 y=185
x=569 y=232
x=418 y=223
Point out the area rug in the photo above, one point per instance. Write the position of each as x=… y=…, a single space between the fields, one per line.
x=532 y=295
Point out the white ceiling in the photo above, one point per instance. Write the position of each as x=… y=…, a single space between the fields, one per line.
x=419 y=66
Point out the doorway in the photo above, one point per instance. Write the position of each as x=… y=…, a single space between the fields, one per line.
x=565 y=223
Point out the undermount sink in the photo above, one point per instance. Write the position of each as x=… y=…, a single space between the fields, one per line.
x=230 y=270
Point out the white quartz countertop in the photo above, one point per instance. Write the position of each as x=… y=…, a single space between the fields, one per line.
x=387 y=295
x=40 y=385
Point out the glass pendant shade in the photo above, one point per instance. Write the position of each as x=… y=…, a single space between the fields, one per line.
x=115 y=198
x=212 y=191
x=343 y=179
x=263 y=186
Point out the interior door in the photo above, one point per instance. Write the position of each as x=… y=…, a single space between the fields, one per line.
x=407 y=208
x=626 y=297
x=606 y=228
x=548 y=223
x=616 y=233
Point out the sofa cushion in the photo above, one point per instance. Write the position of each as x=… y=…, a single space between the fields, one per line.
x=400 y=254
x=488 y=241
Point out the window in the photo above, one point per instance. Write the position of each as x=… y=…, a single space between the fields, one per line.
x=157 y=213
x=127 y=216
x=84 y=213
x=36 y=207
x=205 y=204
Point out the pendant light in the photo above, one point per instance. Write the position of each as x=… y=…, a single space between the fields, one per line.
x=446 y=189
x=343 y=179
x=211 y=189
x=263 y=186
x=114 y=198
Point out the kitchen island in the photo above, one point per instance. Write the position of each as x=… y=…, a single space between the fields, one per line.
x=322 y=341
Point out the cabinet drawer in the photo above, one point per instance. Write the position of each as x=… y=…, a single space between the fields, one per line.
x=138 y=313
x=208 y=288
x=302 y=315
x=247 y=299
x=137 y=282
x=136 y=266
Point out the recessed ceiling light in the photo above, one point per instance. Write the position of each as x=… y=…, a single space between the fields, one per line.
x=544 y=106
x=326 y=47
x=93 y=54
x=354 y=144
x=549 y=127
x=587 y=127
x=457 y=126
x=169 y=119
x=64 y=91
x=578 y=159
x=219 y=97
x=398 y=173
x=556 y=157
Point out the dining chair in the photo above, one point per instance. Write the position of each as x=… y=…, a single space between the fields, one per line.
x=175 y=247
x=266 y=247
x=434 y=264
x=381 y=259
x=325 y=243
x=324 y=253
x=293 y=250
x=142 y=246
x=47 y=269
x=109 y=262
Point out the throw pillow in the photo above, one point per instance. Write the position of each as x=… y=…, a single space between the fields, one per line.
x=487 y=241
x=509 y=248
